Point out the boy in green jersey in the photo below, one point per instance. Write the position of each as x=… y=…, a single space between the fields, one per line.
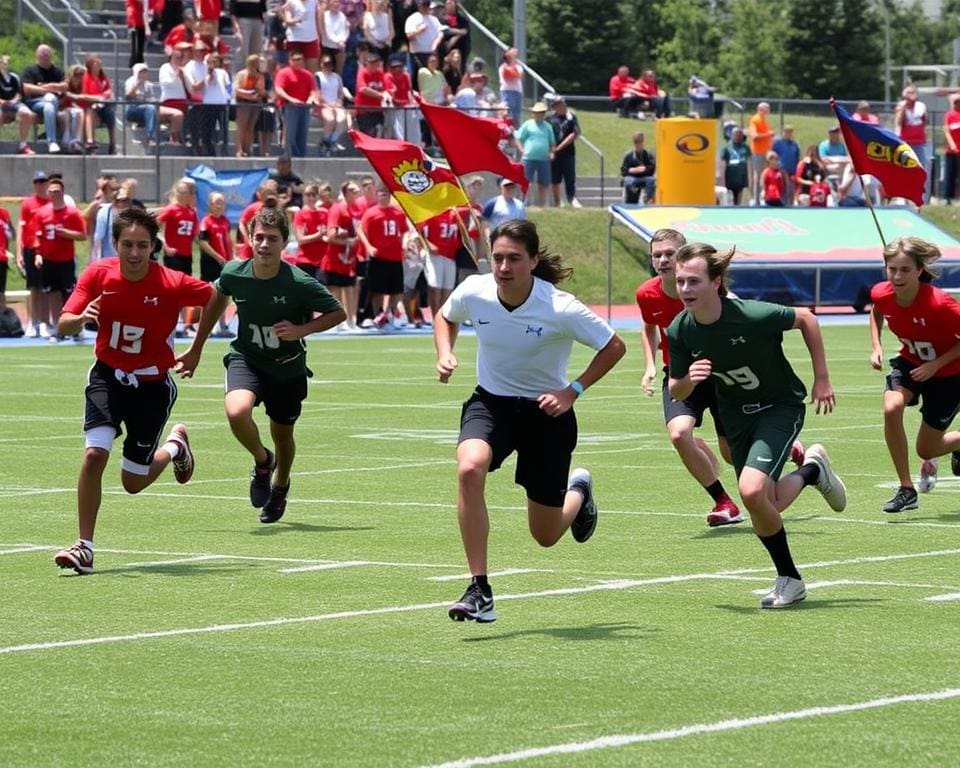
x=761 y=400
x=278 y=306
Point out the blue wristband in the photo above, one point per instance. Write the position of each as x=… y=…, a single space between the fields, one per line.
x=577 y=387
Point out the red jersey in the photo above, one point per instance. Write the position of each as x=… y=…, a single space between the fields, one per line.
x=443 y=233
x=135 y=14
x=297 y=83
x=215 y=230
x=6 y=233
x=45 y=223
x=95 y=86
x=774 y=184
x=927 y=329
x=244 y=249
x=645 y=88
x=656 y=308
x=367 y=79
x=180 y=227
x=137 y=319
x=618 y=85
x=951 y=121
x=400 y=87
x=28 y=209
x=311 y=221
x=819 y=194
x=384 y=226
x=337 y=259
x=179 y=34
x=209 y=10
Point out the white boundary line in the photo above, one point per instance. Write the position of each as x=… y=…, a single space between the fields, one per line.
x=943 y=598
x=623 y=740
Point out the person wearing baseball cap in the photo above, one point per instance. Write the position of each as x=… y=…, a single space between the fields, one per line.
x=538 y=141
x=833 y=151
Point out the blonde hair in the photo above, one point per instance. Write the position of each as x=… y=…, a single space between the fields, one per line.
x=717 y=262
x=921 y=252
x=182 y=186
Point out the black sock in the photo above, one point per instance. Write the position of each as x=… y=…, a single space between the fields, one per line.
x=715 y=489
x=269 y=460
x=481 y=581
x=810 y=473
x=780 y=553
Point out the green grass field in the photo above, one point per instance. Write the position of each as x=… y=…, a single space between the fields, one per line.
x=207 y=639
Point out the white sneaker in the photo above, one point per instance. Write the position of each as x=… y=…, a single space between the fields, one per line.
x=928 y=475
x=829 y=484
x=786 y=591
x=33 y=331
x=44 y=331
x=53 y=148
x=575 y=203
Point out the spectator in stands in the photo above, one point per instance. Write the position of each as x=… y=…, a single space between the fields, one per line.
x=474 y=97
x=334 y=32
x=266 y=127
x=331 y=110
x=404 y=117
x=401 y=10
x=302 y=20
x=650 y=91
x=808 y=169
x=102 y=108
x=862 y=113
x=423 y=31
x=703 y=99
x=788 y=151
x=174 y=88
x=456 y=28
x=773 y=181
x=249 y=91
x=378 y=28
x=172 y=16
x=638 y=172
x=289 y=184
x=833 y=152
x=74 y=104
x=951 y=159
x=433 y=89
x=12 y=106
x=910 y=118
x=505 y=206
x=624 y=100
x=563 y=167
x=453 y=70
x=371 y=96
x=761 y=141
x=850 y=191
x=43 y=83
x=819 y=193
x=248 y=17
x=537 y=139
x=143 y=111
x=184 y=32
x=735 y=157
x=214 y=117
x=137 y=29
x=511 y=83
x=296 y=92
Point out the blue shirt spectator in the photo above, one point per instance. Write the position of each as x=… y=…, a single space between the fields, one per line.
x=788 y=150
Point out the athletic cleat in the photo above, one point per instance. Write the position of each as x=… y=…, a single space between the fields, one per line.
x=585 y=523
x=955 y=463
x=928 y=475
x=726 y=512
x=905 y=498
x=786 y=591
x=260 y=480
x=828 y=483
x=275 y=505
x=797 y=453
x=473 y=605
x=79 y=557
x=182 y=465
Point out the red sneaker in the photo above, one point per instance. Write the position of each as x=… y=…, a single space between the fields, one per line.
x=79 y=557
x=25 y=150
x=726 y=512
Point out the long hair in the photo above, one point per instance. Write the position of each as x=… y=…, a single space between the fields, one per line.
x=922 y=252
x=717 y=262
x=549 y=265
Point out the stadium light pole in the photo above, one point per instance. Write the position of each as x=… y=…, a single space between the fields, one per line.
x=885 y=10
x=520 y=28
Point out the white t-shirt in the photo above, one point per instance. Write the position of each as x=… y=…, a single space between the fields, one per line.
x=305 y=30
x=422 y=43
x=377 y=26
x=218 y=90
x=330 y=86
x=508 y=83
x=524 y=353
x=336 y=29
x=171 y=86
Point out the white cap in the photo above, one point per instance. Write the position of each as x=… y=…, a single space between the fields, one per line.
x=138 y=68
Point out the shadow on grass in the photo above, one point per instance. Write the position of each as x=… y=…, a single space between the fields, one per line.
x=622 y=630
x=272 y=529
x=201 y=567
x=943 y=517
x=816 y=603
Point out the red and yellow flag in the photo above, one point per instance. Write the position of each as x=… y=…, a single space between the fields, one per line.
x=421 y=187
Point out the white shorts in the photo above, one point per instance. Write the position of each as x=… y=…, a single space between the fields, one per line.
x=411 y=273
x=441 y=272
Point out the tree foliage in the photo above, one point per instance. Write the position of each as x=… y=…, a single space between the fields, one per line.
x=753 y=61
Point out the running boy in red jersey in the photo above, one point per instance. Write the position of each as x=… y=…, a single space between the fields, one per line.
x=926 y=320
x=135 y=303
x=216 y=247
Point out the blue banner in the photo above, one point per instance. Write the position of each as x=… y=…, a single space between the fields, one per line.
x=239 y=187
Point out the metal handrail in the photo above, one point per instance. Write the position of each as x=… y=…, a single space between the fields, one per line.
x=38 y=14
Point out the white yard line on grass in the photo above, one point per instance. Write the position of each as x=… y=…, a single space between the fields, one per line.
x=505 y=572
x=949 y=598
x=862 y=583
x=697 y=729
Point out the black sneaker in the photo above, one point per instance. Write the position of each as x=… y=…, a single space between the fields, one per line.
x=585 y=523
x=955 y=463
x=906 y=498
x=276 y=504
x=260 y=480
x=473 y=606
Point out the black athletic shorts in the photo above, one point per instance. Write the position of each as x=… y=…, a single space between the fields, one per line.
x=282 y=398
x=336 y=279
x=941 y=394
x=544 y=444
x=384 y=277
x=143 y=408
x=703 y=398
x=58 y=276
x=210 y=268
x=3 y=278
x=32 y=278
x=179 y=263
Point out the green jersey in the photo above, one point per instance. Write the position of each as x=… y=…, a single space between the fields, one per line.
x=745 y=348
x=291 y=295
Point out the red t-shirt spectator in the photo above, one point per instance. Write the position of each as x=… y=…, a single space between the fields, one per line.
x=215 y=230
x=298 y=83
x=384 y=227
x=6 y=233
x=51 y=245
x=209 y=10
x=443 y=233
x=311 y=221
x=136 y=317
x=951 y=121
x=135 y=14
x=96 y=86
x=819 y=194
x=618 y=85
x=179 y=34
x=369 y=79
x=774 y=185
x=28 y=209
x=180 y=228
x=398 y=85
x=337 y=259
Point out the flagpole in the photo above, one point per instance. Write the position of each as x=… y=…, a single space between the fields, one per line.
x=465 y=235
x=869 y=198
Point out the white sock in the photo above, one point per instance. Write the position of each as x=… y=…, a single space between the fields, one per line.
x=172 y=448
x=87 y=543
